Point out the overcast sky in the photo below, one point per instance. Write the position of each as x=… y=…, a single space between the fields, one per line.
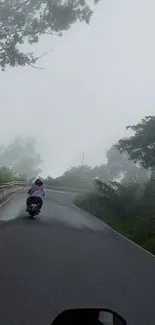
x=97 y=80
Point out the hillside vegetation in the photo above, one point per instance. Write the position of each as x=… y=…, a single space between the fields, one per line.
x=129 y=205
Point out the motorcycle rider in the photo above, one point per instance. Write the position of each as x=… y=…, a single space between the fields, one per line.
x=36 y=191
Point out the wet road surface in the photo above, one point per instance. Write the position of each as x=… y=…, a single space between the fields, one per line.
x=67 y=259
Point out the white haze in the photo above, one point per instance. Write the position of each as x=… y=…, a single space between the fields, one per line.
x=97 y=80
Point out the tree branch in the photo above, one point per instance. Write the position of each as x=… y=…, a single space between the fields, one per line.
x=35 y=67
x=39 y=57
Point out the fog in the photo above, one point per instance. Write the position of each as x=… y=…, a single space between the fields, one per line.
x=98 y=79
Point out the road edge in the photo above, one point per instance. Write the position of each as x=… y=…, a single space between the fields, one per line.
x=8 y=199
x=116 y=232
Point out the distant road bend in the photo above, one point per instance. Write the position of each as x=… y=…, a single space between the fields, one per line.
x=67 y=259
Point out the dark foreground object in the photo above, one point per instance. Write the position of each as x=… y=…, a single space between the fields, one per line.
x=34 y=205
x=89 y=317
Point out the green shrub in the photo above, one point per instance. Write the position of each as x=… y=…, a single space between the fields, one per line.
x=128 y=209
x=6 y=175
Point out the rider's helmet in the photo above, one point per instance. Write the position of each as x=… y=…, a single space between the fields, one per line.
x=39 y=182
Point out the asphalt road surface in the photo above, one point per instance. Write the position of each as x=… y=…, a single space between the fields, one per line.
x=67 y=259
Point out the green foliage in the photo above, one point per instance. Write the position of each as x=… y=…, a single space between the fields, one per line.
x=141 y=146
x=129 y=206
x=75 y=177
x=128 y=209
x=22 y=20
x=50 y=181
x=6 y=175
x=119 y=165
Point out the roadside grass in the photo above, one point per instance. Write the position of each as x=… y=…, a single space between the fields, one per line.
x=138 y=227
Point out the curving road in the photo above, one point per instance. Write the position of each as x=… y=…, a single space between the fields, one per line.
x=66 y=259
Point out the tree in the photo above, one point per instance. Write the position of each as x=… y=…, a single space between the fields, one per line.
x=78 y=177
x=141 y=146
x=101 y=172
x=118 y=163
x=21 y=156
x=120 y=166
x=22 y=20
x=6 y=175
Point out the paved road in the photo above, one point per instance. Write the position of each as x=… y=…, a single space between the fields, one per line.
x=68 y=259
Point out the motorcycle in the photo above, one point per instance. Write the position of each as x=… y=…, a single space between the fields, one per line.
x=34 y=208
x=93 y=316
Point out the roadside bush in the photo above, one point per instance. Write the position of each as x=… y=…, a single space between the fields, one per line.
x=6 y=175
x=129 y=209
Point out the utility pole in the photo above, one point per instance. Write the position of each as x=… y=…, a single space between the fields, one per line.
x=82 y=160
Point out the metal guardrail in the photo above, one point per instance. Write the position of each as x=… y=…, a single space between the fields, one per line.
x=14 y=183
x=10 y=188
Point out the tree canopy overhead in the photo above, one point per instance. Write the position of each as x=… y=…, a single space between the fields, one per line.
x=141 y=146
x=22 y=20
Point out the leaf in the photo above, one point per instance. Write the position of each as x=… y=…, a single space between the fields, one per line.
x=22 y=20
x=141 y=146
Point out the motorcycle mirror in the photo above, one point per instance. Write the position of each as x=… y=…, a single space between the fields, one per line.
x=94 y=316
